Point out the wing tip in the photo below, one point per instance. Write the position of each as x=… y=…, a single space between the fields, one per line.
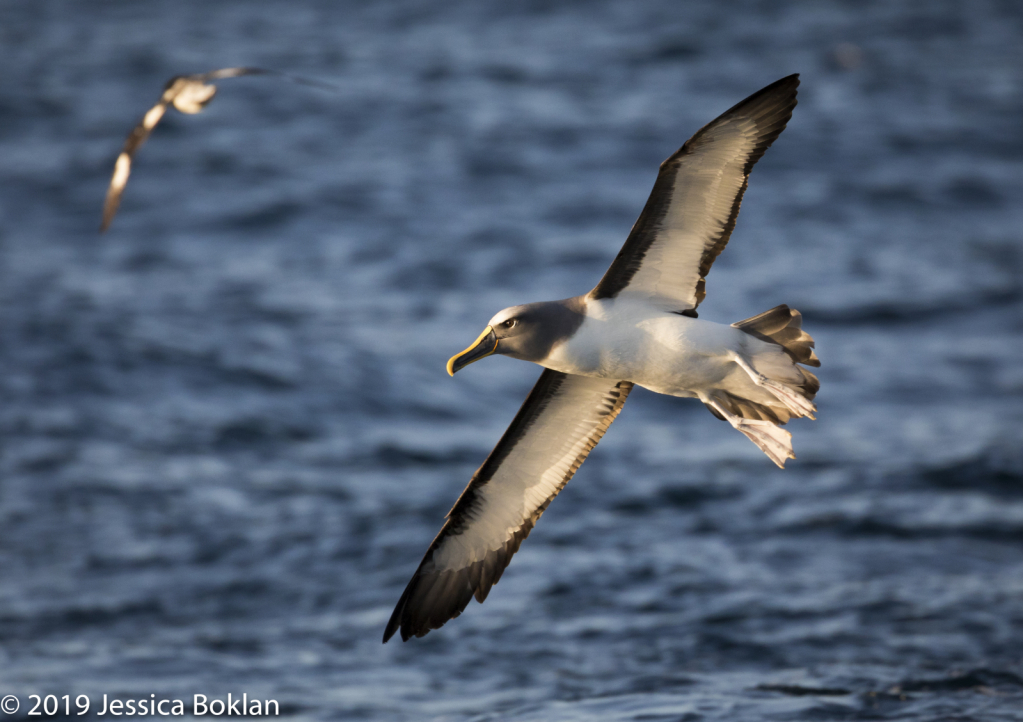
x=785 y=89
x=397 y=620
x=434 y=598
x=391 y=628
x=788 y=81
x=110 y=206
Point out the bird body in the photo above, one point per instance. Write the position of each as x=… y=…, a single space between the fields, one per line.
x=632 y=339
x=638 y=326
x=668 y=353
x=189 y=94
x=665 y=352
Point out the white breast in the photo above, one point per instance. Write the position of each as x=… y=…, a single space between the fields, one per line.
x=632 y=340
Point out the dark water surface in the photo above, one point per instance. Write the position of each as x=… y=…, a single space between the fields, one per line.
x=227 y=437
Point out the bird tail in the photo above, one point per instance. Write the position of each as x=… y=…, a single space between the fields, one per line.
x=783 y=326
x=780 y=327
x=781 y=388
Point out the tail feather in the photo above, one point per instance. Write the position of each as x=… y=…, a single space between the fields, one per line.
x=781 y=327
x=748 y=409
x=811 y=384
x=784 y=326
x=781 y=389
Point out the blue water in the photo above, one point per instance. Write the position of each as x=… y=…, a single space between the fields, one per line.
x=227 y=436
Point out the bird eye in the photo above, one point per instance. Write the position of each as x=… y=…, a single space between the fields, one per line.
x=510 y=323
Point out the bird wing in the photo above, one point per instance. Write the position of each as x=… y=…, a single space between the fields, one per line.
x=692 y=209
x=231 y=73
x=235 y=72
x=560 y=422
x=122 y=167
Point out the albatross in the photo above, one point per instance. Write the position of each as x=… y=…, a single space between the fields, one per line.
x=189 y=94
x=638 y=326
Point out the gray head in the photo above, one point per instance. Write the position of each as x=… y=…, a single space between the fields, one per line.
x=528 y=332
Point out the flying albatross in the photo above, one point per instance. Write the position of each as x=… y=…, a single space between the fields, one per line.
x=189 y=94
x=637 y=326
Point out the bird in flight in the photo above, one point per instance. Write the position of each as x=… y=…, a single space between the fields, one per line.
x=637 y=326
x=188 y=94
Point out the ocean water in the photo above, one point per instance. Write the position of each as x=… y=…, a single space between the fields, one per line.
x=227 y=436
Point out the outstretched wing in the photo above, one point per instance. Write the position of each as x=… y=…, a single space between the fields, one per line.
x=560 y=422
x=691 y=211
x=122 y=167
x=232 y=73
x=236 y=72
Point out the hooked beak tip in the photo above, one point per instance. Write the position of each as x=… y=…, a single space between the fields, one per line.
x=482 y=347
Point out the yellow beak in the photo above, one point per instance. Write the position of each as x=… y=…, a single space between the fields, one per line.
x=482 y=347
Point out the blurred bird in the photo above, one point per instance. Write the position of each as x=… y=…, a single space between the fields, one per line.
x=188 y=94
x=637 y=326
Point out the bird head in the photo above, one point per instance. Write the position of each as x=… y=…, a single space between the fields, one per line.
x=526 y=332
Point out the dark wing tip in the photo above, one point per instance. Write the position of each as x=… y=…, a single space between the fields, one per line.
x=770 y=108
x=429 y=601
x=433 y=598
x=792 y=80
x=395 y=621
x=779 y=88
x=776 y=99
